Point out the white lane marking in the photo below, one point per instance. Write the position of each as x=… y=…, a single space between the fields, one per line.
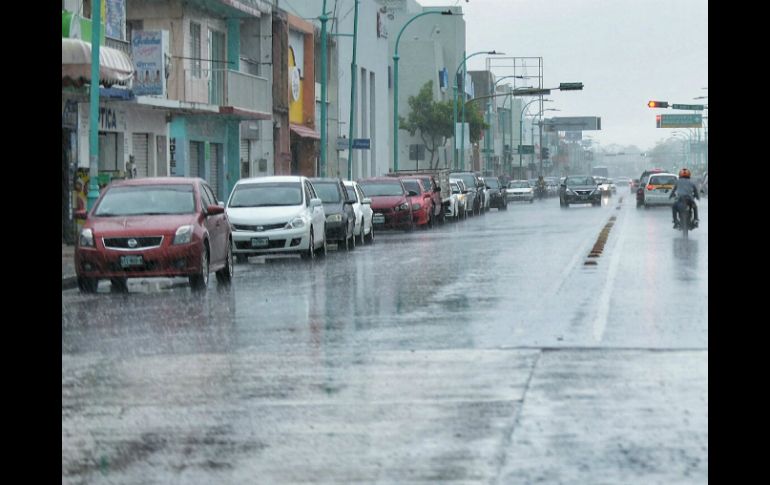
x=600 y=322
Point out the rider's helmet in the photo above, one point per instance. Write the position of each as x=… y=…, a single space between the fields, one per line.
x=684 y=173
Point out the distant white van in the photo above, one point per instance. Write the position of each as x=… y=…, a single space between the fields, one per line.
x=600 y=172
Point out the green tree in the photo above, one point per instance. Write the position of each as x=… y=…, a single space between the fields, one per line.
x=433 y=120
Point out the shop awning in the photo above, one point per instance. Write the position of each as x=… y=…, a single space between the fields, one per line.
x=304 y=131
x=114 y=66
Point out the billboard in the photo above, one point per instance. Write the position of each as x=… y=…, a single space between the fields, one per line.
x=149 y=49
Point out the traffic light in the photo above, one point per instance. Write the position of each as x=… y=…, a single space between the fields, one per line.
x=657 y=104
x=545 y=152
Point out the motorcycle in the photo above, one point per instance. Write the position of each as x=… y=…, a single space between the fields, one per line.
x=685 y=212
x=541 y=192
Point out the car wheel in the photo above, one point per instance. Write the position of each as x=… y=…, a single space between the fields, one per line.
x=352 y=240
x=88 y=285
x=119 y=285
x=361 y=234
x=310 y=252
x=225 y=275
x=532 y=201
x=200 y=281
x=324 y=249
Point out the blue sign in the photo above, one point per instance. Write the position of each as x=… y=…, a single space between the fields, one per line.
x=362 y=143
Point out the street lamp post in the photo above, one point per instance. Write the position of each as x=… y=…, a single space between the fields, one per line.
x=323 y=18
x=521 y=128
x=395 y=81
x=454 y=102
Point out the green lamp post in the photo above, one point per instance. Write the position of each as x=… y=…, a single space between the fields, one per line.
x=395 y=81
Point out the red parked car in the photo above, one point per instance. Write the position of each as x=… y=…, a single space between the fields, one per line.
x=390 y=202
x=154 y=227
x=430 y=184
x=421 y=200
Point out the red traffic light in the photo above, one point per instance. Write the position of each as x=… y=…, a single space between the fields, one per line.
x=657 y=104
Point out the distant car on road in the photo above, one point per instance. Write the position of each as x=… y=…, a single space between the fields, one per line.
x=658 y=189
x=497 y=193
x=580 y=189
x=520 y=190
x=642 y=183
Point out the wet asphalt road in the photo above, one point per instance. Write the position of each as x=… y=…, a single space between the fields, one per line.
x=479 y=352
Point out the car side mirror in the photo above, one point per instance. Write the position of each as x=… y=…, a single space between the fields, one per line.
x=367 y=200
x=81 y=214
x=213 y=210
x=316 y=202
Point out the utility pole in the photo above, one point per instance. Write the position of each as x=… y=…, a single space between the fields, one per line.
x=353 y=70
x=93 y=132
x=324 y=18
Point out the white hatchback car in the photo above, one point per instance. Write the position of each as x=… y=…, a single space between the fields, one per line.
x=520 y=190
x=278 y=214
x=658 y=189
x=363 y=230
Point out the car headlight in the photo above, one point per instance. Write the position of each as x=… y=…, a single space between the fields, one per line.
x=295 y=223
x=416 y=207
x=403 y=207
x=334 y=218
x=183 y=235
x=87 y=238
x=570 y=191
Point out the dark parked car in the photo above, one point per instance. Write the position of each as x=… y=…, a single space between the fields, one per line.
x=497 y=193
x=390 y=202
x=579 y=189
x=340 y=217
x=154 y=227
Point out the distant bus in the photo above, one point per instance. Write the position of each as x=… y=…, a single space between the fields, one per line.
x=600 y=172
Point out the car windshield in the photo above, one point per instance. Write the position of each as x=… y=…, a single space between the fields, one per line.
x=571 y=181
x=493 y=183
x=379 y=189
x=328 y=192
x=455 y=188
x=351 y=192
x=147 y=200
x=412 y=185
x=266 y=194
x=663 y=180
x=425 y=184
x=519 y=185
x=468 y=179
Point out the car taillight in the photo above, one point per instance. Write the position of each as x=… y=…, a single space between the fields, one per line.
x=650 y=187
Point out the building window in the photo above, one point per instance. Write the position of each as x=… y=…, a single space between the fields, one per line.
x=195 y=48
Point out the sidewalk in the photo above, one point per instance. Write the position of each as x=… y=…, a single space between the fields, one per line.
x=68 y=277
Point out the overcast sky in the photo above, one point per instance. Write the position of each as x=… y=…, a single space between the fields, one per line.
x=625 y=52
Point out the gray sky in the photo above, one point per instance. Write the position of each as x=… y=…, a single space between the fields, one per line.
x=625 y=52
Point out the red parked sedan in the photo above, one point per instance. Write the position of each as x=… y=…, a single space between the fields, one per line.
x=154 y=227
x=422 y=203
x=390 y=203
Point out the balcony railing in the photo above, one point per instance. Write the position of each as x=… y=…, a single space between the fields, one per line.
x=224 y=87
x=120 y=45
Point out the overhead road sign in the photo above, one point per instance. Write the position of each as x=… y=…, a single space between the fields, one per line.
x=573 y=123
x=698 y=107
x=679 y=121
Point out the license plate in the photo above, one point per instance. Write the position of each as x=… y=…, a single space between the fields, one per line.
x=259 y=242
x=378 y=219
x=131 y=260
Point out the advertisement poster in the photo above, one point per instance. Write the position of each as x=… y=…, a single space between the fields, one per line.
x=149 y=78
x=115 y=21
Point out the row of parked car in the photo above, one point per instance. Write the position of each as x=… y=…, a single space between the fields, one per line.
x=175 y=227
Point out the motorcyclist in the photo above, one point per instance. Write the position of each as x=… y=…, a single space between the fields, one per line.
x=540 y=186
x=684 y=191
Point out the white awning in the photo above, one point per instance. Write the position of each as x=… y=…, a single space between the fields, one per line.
x=114 y=66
